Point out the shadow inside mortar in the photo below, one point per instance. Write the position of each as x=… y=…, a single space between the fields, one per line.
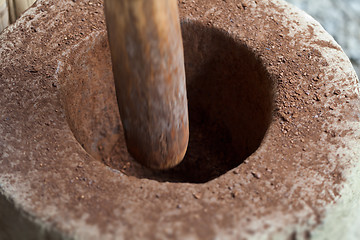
x=230 y=97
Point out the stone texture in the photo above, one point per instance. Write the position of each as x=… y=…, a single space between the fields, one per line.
x=12 y=10
x=341 y=19
x=302 y=181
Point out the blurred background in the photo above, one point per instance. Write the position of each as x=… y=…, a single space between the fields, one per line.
x=10 y=10
x=341 y=18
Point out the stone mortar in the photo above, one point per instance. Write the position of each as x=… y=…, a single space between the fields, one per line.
x=273 y=153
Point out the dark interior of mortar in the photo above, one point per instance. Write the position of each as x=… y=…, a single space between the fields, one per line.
x=229 y=97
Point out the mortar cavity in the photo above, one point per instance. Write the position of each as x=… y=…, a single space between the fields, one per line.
x=230 y=99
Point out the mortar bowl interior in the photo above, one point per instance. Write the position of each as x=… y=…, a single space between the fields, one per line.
x=230 y=98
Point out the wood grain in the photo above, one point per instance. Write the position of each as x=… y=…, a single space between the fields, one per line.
x=148 y=65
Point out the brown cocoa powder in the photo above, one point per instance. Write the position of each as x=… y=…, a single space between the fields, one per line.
x=67 y=179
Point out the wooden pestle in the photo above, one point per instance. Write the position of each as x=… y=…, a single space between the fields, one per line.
x=148 y=66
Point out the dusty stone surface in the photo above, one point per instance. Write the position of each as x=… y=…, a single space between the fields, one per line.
x=341 y=19
x=68 y=181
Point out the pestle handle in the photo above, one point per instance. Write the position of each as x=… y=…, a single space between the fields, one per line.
x=148 y=66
